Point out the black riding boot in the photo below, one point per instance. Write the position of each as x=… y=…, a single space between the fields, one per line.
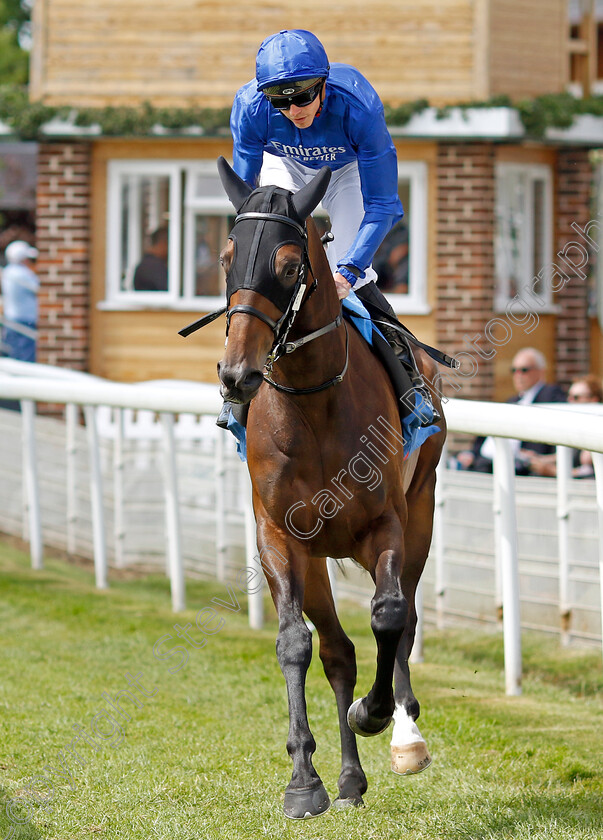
x=371 y=294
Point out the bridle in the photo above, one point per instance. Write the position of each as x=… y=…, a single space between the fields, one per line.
x=300 y=295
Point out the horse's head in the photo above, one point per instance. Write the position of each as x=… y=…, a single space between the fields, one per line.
x=266 y=262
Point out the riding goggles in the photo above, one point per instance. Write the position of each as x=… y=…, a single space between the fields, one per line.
x=285 y=95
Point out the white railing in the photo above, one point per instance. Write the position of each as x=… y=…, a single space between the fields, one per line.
x=559 y=425
x=563 y=426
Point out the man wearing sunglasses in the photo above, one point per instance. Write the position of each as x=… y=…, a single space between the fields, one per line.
x=299 y=114
x=528 y=369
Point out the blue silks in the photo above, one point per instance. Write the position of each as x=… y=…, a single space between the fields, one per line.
x=240 y=433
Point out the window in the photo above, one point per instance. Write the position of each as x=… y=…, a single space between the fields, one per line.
x=523 y=234
x=184 y=205
x=401 y=261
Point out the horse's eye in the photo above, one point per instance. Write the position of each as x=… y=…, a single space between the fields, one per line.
x=291 y=271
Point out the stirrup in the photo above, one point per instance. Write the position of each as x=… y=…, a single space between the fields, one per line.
x=427 y=406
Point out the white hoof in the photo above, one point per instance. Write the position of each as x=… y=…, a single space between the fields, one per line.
x=408 y=748
x=411 y=758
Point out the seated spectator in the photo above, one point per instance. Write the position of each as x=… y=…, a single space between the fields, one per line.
x=20 y=286
x=151 y=273
x=528 y=369
x=584 y=389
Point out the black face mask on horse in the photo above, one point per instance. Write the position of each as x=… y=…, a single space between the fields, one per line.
x=266 y=221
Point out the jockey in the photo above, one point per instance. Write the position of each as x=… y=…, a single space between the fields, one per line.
x=300 y=114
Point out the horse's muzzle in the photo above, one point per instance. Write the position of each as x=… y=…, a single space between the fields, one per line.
x=239 y=384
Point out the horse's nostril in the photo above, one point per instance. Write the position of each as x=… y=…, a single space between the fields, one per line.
x=252 y=381
x=238 y=383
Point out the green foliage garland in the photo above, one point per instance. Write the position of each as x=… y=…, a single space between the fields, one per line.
x=27 y=119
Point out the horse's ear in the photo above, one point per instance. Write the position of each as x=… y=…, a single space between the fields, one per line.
x=236 y=188
x=310 y=196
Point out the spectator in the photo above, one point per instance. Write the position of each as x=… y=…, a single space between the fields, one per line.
x=528 y=369
x=151 y=273
x=392 y=261
x=20 y=286
x=584 y=389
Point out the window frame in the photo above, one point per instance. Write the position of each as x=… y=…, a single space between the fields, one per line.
x=183 y=208
x=116 y=169
x=527 y=300
x=218 y=205
x=415 y=301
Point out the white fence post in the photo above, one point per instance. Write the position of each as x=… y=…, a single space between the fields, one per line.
x=32 y=487
x=564 y=473
x=172 y=514
x=220 y=473
x=497 y=514
x=96 y=499
x=504 y=477
x=332 y=573
x=256 y=596
x=417 y=653
x=71 y=477
x=438 y=542
x=119 y=530
x=598 y=465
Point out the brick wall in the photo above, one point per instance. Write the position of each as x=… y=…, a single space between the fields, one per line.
x=465 y=263
x=573 y=256
x=63 y=240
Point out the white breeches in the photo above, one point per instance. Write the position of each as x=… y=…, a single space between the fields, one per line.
x=342 y=201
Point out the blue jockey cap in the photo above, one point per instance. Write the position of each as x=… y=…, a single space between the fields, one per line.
x=291 y=54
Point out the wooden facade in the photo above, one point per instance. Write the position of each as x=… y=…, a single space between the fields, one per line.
x=198 y=52
x=110 y=52
x=142 y=343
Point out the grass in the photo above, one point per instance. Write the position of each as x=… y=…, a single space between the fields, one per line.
x=205 y=757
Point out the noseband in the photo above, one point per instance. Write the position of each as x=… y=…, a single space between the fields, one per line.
x=282 y=326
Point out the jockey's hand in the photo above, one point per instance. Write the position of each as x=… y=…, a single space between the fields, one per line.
x=341 y=284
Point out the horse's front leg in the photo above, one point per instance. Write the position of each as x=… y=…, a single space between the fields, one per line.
x=372 y=714
x=285 y=564
x=339 y=661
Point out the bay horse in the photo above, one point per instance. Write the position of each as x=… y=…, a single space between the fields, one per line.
x=328 y=478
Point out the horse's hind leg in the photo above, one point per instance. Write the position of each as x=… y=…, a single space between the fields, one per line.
x=339 y=661
x=409 y=753
x=305 y=795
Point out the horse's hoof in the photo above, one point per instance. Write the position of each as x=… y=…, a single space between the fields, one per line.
x=305 y=803
x=411 y=758
x=349 y=802
x=364 y=724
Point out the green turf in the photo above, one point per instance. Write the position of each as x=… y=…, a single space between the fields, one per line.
x=205 y=756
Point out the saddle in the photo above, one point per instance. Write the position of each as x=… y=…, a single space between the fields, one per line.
x=398 y=375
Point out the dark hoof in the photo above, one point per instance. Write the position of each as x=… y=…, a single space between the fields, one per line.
x=361 y=723
x=351 y=802
x=306 y=803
